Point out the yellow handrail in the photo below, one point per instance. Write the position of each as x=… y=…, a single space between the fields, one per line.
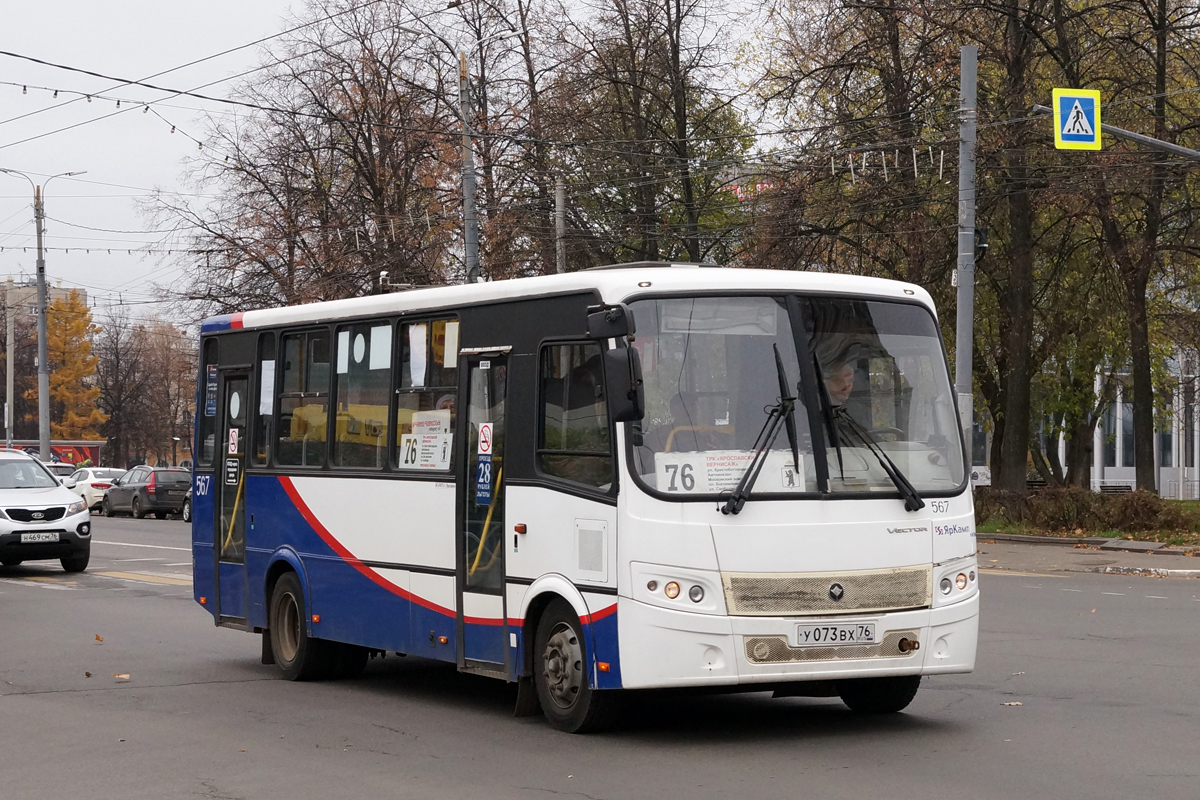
x=487 y=524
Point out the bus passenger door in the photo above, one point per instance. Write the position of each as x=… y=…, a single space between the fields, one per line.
x=230 y=500
x=482 y=626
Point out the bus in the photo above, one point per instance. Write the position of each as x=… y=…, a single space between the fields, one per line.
x=630 y=477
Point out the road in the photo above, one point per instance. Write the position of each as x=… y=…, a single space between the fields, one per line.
x=1103 y=668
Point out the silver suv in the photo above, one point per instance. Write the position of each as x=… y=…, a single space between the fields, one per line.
x=39 y=517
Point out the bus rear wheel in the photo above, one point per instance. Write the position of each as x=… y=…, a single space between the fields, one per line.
x=879 y=695
x=560 y=674
x=301 y=657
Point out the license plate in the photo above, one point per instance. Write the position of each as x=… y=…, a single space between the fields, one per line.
x=179 y=493
x=49 y=536
x=834 y=635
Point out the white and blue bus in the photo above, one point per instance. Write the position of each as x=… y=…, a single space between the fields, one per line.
x=640 y=476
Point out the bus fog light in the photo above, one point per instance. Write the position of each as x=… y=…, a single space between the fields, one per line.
x=671 y=590
x=946 y=586
x=652 y=585
x=972 y=575
x=696 y=593
x=961 y=581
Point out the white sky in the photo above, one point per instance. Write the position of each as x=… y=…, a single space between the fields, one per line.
x=133 y=150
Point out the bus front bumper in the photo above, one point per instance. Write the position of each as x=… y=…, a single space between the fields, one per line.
x=663 y=648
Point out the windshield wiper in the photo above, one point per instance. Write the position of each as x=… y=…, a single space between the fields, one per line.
x=908 y=492
x=784 y=412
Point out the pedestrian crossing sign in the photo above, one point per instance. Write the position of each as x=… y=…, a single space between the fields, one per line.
x=1077 y=119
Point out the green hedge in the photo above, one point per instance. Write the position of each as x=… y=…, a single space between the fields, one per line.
x=1083 y=510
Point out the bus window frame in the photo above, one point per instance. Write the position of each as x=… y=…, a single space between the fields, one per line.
x=398 y=345
x=335 y=382
x=819 y=454
x=283 y=334
x=556 y=481
x=269 y=429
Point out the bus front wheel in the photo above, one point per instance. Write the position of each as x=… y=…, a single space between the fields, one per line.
x=560 y=674
x=879 y=695
x=301 y=657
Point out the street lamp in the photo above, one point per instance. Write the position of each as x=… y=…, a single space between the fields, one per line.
x=470 y=219
x=174 y=444
x=39 y=215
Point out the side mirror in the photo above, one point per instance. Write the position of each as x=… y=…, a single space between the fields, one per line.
x=623 y=376
x=70 y=484
x=610 y=322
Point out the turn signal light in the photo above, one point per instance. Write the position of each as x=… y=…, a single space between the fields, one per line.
x=671 y=590
x=443 y=640
x=316 y=617
x=203 y=601
x=961 y=581
x=602 y=666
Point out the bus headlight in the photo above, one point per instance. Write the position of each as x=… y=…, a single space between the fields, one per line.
x=961 y=581
x=696 y=594
x=671 y=590
x=946 y=586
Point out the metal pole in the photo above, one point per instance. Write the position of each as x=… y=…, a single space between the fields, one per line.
x=43 y=362
x=1142 y=139
x=964 y=329
x=560 y=224
x=8 y=366
x=470 y=221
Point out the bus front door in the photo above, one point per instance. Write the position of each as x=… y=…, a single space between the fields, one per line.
x=230 y=528
x=482 y=627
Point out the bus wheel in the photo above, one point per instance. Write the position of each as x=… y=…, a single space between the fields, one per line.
x=301 y=657
x=879 y=695
x=560 y=674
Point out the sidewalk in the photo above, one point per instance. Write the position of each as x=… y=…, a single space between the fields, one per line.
x=1015 y=553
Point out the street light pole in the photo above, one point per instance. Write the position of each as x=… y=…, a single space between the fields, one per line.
x=470 y=217
x=39 y=214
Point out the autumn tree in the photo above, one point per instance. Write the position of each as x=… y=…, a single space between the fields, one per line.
x=74 y=413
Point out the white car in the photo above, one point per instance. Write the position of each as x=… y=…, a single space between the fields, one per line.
x=91 y=483
x=39 y=517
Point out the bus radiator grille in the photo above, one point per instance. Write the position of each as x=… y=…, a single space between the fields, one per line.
x=776 y=650
x=762 y=594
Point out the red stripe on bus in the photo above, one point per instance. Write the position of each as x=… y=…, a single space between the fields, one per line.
x=349 y=557
x=599 y=615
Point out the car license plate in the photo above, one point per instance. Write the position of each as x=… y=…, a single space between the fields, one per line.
x=833 y=635
x=49 y=536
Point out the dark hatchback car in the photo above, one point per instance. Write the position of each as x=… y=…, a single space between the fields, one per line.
x=147 y=490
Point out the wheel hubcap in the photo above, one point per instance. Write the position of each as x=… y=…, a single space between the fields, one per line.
x=562 y=666
x=288 y=625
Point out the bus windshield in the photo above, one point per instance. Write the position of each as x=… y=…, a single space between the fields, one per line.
x=711 y=380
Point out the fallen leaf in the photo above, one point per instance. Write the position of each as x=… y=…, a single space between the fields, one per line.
x=993 y=560
x=1018 y=673
x=99 y=638
x=1013 y=703
x=1008 y=740
x=1093 y=611
x=87 y=674
x=121 y=676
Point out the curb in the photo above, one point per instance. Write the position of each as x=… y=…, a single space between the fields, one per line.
x=1149 y=572
x=1101 y=542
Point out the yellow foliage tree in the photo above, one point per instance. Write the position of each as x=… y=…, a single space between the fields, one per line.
x=73 y=391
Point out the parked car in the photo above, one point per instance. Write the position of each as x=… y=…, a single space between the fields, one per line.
x=147 y=490
x=59 y=468
x=90 y=483
x=185 y=513
x=39 y=517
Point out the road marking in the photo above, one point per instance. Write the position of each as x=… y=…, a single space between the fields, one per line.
x=1114 y=594
x=151 y=546
x=1156 y=597
x=180 y=564
x=142 y=577
x=41 y=584
x=1070 y=590
x=123 y=560
x=996 y=571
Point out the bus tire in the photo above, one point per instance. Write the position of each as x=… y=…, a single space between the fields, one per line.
x=349 y=661
x=879 y=695
x=299 y=656
x=560 y=661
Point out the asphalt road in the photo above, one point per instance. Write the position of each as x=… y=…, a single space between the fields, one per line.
x=1103 y=667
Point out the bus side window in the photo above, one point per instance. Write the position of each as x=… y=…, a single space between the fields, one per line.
x=427 y=394
x=266 y=398
x=573 y=436
x=364 y=376
x=304 y=401
x=207 y=415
